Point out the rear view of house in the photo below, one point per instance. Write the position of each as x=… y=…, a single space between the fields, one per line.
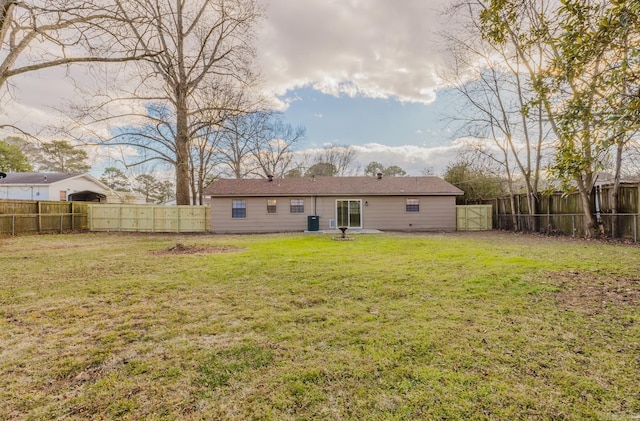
x=322 y=203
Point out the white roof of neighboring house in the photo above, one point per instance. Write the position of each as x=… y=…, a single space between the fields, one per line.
x=43 y=179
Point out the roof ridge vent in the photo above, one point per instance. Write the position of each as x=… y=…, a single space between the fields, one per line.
x=379 y=175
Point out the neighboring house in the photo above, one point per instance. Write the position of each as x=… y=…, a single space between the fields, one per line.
x=298 y=204
x=53 y=186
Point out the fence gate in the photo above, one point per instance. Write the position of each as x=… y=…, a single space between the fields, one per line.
x=473 y=218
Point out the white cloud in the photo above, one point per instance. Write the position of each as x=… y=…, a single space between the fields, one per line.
x=415 y=160
x=377 y=48
x=42 y=103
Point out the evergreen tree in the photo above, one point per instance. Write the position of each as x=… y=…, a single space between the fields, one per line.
x=12 y=159
x=115 y=179
x=62 y=156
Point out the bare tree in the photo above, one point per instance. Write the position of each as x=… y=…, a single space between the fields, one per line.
x=238 y=143
x=203 y=161
x=273 y=149
x=341 y=157
x=37 y=35
x=193 y=47
x=496 y=88
x=205 y=157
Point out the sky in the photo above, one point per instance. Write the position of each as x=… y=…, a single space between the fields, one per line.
x=362 y=73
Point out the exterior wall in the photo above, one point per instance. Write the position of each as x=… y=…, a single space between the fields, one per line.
x=74 y=186
x=36 y=192
x=437 y=213
x=49 y=191
x=257 y=219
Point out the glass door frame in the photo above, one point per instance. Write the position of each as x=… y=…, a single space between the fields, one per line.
x=349 y=201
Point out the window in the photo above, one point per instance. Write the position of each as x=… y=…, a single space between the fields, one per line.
x=297 y=206
x=63 y=196
x=413 y=205
x=239 y=209
x=271 y=205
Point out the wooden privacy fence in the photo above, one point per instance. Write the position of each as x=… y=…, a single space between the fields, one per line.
x=563 y=213
x=573 y=224
x=550 y=223
x=149 y=218
x=29 y=216
x=473 y=218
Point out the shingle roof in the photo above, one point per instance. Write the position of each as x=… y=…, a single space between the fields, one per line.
x=35 y=178
x=324 y=186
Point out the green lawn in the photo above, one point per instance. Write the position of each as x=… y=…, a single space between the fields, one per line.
x=288 y=327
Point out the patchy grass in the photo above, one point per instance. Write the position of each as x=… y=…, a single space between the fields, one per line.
x=278 y=327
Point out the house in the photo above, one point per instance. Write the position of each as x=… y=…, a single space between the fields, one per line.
x=53 y=186
x=321 y=203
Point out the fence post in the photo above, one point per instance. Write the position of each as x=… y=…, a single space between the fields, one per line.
x=39 y=221
x=13 y=225
x=573 y=225
x=613 y=234
x=61 y=222
x=90 y=216
x=635 y=228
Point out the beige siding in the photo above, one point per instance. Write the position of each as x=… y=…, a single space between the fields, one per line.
x=437 y=213
x=258 y=220
x=389 y=213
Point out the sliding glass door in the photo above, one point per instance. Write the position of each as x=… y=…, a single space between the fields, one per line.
x=349 y=213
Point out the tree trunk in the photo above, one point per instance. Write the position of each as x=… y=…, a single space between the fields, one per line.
x=532 y=204
x=514 y=211
x=616 y=192
x=586 y=198
x=182 y=150
x=192 y=183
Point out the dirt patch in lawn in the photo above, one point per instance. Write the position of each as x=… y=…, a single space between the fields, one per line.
x=591 y=294
x=181 y=249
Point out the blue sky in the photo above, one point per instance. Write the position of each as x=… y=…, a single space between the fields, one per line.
x=412 y=131
x=359 y=121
